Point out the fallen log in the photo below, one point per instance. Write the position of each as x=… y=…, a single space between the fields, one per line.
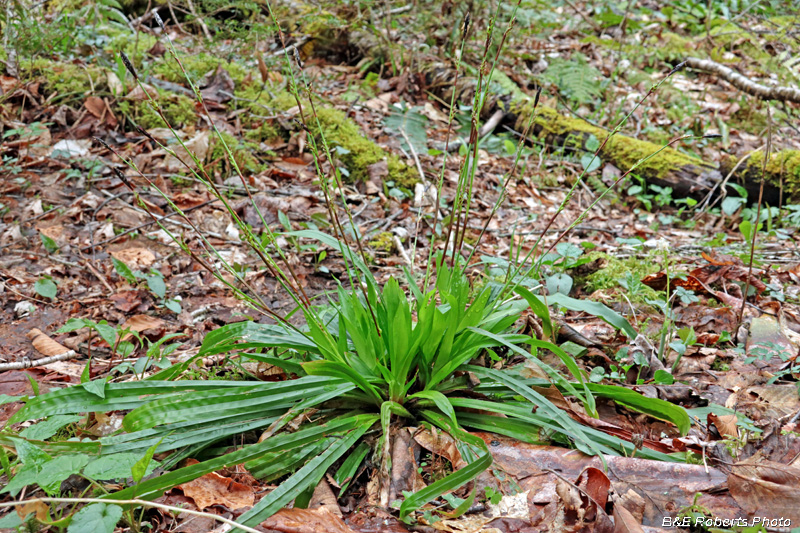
x=686 y=175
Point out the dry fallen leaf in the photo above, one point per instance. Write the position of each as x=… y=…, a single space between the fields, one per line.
x=624 y=522
x=139 y=323
x=45 y=344
x=95 y=106
x=319 y=520
x=40 y=509
x=214 y=489
x=136 y=258
x=753 y=485
x=725 y=424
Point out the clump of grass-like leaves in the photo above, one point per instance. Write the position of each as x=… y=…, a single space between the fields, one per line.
x=366 y=359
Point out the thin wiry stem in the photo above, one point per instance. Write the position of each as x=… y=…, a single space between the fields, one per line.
x=451 y=116
x=143 y=503
x=324 y=182
x=758 y=216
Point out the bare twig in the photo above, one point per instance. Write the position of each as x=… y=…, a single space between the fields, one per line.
x=721 y=185
x=199 y=20
x=143 y=503
x=19 y=365
x=146 y=224
x=743 y=83
x=492 y=123
x=292 y=47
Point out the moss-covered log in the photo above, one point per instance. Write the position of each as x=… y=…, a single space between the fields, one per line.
x=781 y=179
x=686 y=175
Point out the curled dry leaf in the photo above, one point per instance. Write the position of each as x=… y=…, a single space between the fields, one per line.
x=136 y=258
x=725 y=424
x=214 y=489
x=624 y=522
x=442 y=444
x=754 y=484
x=44 y=344
x=38 y=508
x=319 y=520
x=595 y=484
x=138 y=94
x=324 y=497
x=139 y=323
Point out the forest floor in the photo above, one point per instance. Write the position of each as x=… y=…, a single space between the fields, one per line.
x=75 y=244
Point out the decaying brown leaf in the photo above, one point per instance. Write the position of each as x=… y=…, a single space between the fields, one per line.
x=45 y=344
x=319 y=520
x=767 y=489
x=135 y=257
x=725 y=424
x=214 y=489
x=139 y=323
x=624 y=522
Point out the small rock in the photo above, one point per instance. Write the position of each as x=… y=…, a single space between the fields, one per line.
x=23 y=309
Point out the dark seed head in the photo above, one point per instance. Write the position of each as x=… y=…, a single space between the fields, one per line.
x=466 y=24
x=538 y=94
x=712 y=136
x=677 y=67
x=144 y=132
x=129 y=65
x=300 y=124
x=122 y=177
x=101 y=141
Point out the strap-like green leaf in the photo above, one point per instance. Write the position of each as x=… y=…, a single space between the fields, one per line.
x=153 y=488
x=339 y=370
x=539 y=309
x=655 y=407
x=447 y=484
x=118 y=397
x=594 y=308
x=304 y=478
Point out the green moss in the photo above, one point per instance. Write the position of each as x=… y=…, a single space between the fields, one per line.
x=283 y=101
x=624 y=152
x=615 y=269
x=178 y=109
x=126 y=41
x=264 y=132
x=666 y=46
x=671 y=46
x=197 y=66
x=65 y=78
x=383 y=242
x=783 y=169
x=243 y=154
x=730 y=37
x=263 y=101
x=356 y=152
x=403 y=175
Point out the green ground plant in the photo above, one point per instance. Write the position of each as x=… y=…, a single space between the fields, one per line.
x=368 y=360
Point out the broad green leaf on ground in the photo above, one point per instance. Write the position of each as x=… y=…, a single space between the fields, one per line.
x=115 y=466
x=47 y=428
x=45 y=288
x=413 y=123
x=96 y=518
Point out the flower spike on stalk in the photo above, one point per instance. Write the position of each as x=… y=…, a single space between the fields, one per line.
x=129 y=65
